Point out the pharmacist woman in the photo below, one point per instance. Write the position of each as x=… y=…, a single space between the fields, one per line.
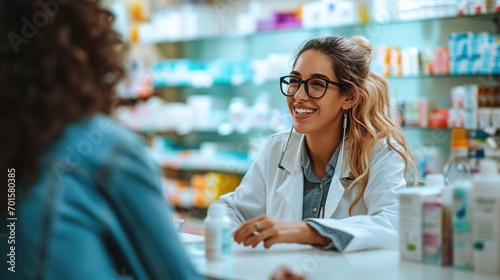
x=333 y=180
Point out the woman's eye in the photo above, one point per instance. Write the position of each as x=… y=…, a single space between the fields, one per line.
x=318 y=83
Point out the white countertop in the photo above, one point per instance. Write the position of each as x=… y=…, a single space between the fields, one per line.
x=260 y=263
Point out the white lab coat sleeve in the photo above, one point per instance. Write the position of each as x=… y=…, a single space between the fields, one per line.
x=249 y=198
x=379 y=227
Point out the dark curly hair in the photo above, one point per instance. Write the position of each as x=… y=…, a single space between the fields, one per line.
x=59 y=62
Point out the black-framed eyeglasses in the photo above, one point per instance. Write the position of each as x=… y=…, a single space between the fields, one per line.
x=315 y=87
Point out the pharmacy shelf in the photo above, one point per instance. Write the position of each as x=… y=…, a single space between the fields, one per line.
x=425 y=129
x=445 y=76
x=276 y=81
x=198 y=164
x=160 y=85
x=485 y=16
x=206 y=131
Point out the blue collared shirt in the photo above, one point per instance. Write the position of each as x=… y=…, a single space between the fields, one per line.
x=316 y=190
x=315 y=194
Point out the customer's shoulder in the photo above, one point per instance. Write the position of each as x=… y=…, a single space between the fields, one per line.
x=95 y=139
x=100 y=130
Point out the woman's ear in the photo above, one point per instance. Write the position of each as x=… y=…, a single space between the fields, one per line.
x=350 y=100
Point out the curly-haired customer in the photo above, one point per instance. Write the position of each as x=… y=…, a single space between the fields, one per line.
x=89 y=202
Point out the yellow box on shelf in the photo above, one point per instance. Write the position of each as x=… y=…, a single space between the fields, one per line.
x=210 y=186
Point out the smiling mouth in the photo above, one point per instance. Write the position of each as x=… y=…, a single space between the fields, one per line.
x=304 y=111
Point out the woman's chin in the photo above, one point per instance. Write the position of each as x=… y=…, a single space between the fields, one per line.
x=300 y=128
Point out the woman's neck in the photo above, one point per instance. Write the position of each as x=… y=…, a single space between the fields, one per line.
x=321 y=149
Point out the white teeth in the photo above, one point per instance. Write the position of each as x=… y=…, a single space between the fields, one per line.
x=304 y=111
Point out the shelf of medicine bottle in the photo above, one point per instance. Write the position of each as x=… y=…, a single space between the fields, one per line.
x=204 y=131
x=423 y=76
x=487 y=16
x=202 y=166
x=426 y=129
x=211 y=85
x=276 y=81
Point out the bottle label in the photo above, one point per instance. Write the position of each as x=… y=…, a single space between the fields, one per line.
x=218 y=242
x=486 y=213
x=226 y=242
x=460 y=204
x=462 y=237
x=462 y=250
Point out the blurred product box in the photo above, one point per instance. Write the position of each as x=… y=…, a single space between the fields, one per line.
x=411 y=242
x=382 y=61
x=438 y=118
x=437 y=233
x=410 y=62
x=440 y=62
x=416 y=112
x=329 y=13
x=473 y=53
x=175 y=72
x=472 y=7
x=210 y=186
x=283 y=20
x=395 y=62
x=185 y=72
x=417 y=9
x=425 y=107
x=434 y=61
x=411 y=113
x=474 y=106
x=469 y=44
x=279 y=20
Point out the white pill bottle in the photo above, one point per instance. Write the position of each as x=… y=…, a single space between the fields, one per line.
x=217 y=233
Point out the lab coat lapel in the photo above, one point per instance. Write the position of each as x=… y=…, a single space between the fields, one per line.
x=292 y=191
x=292 y=188
x=336 y=190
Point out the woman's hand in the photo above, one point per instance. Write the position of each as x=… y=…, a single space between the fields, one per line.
x=271 y=231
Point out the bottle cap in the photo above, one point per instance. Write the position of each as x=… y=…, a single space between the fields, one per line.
x=434 y=180
x=217 y=210
x=459 y=138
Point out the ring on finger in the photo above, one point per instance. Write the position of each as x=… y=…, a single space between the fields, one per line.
x=256 y=225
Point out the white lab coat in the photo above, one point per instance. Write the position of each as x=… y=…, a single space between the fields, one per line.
x=267 y=190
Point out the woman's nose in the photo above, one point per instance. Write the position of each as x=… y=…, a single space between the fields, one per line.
x=301 y=93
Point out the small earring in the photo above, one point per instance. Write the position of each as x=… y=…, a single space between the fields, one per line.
x=345 y=119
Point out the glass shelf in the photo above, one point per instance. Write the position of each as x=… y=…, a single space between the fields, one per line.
x=269 y=82
x=163 y=85
x=320 y=28
x=205 y=131
x=234 y=167
x=445 y=76
x=426 y=129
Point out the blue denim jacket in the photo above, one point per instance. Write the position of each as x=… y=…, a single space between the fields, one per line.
x=97 y=211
